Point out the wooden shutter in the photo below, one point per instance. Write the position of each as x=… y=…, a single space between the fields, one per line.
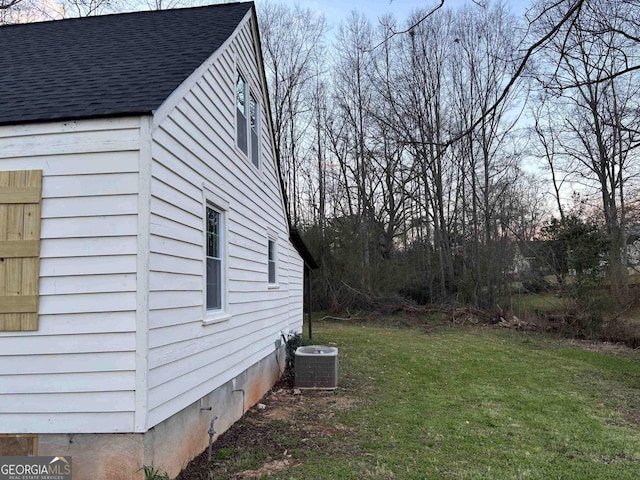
x=20 y=200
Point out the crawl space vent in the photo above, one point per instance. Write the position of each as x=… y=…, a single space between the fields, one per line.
x=316 y=367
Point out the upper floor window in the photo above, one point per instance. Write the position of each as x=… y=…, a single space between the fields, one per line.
x=247 y=121
x=253 y=119
x=241 y=107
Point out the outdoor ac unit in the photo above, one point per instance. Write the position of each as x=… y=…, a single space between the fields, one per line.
x=316 y=367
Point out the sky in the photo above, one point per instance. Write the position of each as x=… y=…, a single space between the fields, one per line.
x=338 y=10
x=335 y=11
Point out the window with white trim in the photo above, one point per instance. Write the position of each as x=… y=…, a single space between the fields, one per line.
x=247 y=121
x=241 y=113
x=215 y=259
x=272 y=261
x=253 y=120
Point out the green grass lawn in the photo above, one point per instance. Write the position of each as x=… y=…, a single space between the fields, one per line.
x=524 y=304
x=473 y=403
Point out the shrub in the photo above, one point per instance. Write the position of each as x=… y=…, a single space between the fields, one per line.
x=292 y=342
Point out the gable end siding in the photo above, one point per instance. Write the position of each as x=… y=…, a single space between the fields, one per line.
x=194 y=154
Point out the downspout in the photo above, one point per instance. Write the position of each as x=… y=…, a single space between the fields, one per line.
x=212 y=432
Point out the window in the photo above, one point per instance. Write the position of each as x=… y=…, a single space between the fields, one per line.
x=241 y=107
x=214 y=259
x=215 y=220
x=247 y=121
x=253 y=118
x=272 y=261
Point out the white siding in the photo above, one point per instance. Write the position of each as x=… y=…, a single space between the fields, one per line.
x=193 y=151
x=76 y=373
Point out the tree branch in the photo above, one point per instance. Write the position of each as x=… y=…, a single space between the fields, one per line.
x=7 y=4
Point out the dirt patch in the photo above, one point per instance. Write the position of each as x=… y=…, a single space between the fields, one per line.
x=275 y=435
x=267 y=469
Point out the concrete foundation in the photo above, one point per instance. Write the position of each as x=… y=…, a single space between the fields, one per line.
x=171 y=444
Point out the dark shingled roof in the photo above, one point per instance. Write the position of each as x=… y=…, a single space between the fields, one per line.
x=107 y=65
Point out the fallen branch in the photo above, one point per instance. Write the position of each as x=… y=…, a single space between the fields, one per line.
x=513 y=322
x=348 y=298
x=331 y=317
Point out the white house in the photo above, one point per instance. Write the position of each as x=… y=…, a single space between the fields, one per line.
x=146 y=266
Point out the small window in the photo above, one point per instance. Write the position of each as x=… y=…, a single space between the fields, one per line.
x=214 y=259
x=241 y=107
x=253 y=118
x=272 y=261
x=247 y=121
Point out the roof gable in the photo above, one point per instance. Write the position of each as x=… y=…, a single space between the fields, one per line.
x=107 y=65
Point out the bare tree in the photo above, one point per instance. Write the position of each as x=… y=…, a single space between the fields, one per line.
x=19 y=11
x=166 y=4
x=592 y=80
x=353 y=99
x=292 y=40
x=87 y=8
x=548 y=149
x=484 y=45
x=7 y=4
x=24 y=11
x=391 y=164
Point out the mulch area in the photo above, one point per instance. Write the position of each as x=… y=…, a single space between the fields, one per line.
x=277 y=433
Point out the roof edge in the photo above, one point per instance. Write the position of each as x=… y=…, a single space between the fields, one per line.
x=75 y=118
x=131 y=12
x=301 y=247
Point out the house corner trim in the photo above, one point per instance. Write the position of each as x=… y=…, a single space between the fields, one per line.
x=142 y=276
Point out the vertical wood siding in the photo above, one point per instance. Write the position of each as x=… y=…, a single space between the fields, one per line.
x=195 y=145
x=76 y=372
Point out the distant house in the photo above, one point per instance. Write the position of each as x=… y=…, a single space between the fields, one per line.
x=539 y=259
x=147 y=271
x=633 y=250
